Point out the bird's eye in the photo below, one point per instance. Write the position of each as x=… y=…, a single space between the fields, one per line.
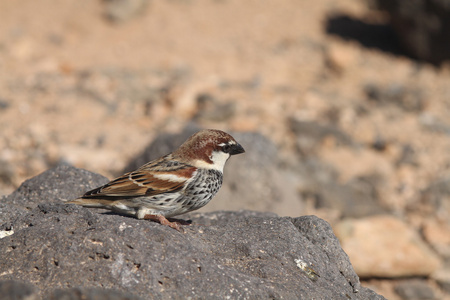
x=226 y=148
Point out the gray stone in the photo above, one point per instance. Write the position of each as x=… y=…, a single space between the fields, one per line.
x=310 y=135
x=209 y=108
x=320 y=181
x=407 y=98
x=358 y=198
x=436 y=197
x=434 y=124
x=16 y=290
x=422 y=26
x=61 y=183
x=241 y=255
x=415 y=289
x=91 y=294
x=123 y=10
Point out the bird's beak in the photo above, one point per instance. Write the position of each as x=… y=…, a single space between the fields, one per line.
x=236 y=149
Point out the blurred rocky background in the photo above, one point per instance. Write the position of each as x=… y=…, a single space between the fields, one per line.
x=343 y=108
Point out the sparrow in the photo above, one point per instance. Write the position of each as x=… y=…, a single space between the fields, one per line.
x=177 y=183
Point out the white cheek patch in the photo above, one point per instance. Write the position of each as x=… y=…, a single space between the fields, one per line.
x=218 y=158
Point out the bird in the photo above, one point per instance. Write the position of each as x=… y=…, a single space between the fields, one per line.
x=179 y=182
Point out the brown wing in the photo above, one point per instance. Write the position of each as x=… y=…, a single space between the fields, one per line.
x=156 y=177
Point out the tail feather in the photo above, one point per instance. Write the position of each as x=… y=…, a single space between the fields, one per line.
x=97 y=203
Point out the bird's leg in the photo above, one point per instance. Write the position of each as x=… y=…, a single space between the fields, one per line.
x=163 y=221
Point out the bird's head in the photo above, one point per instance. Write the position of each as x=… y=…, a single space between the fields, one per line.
x=208 y=149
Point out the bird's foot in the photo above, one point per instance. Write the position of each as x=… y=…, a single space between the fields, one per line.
x=163 y=221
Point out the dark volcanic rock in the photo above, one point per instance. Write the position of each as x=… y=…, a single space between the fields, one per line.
x=61 y=183
x=241 y=255
x=91 y=294
x=15 y=290
x=422 y=26
x=68 y=251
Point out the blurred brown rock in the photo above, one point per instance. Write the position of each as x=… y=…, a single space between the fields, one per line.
x=437 y=234
x=340 y=57
x=442 y=278
x=384 y=246
x=94 y=82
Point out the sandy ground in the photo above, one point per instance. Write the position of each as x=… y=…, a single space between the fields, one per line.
x=78 y=87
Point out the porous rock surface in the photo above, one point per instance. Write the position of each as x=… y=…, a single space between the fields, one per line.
x=53 y=186
x=60 y=251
